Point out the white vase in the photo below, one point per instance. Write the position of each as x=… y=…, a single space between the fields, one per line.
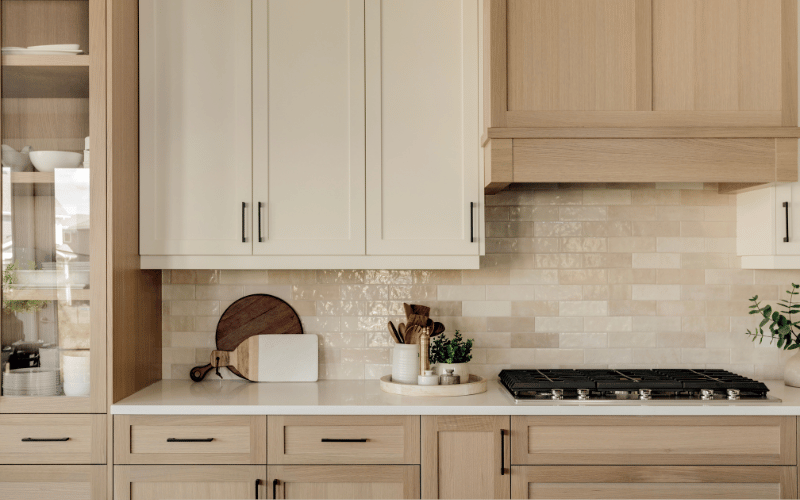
x=405 y=363
x=791 y=371
x=460 y=369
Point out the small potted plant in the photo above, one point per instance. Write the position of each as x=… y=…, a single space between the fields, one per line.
x=452 y=354
x=782 y=330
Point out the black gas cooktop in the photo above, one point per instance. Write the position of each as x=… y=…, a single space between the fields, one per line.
x=611 y=385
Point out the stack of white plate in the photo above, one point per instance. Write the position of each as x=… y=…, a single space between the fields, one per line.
x=44 y=50
x=31 y=382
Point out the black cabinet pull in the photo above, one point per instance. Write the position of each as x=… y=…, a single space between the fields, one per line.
x=502 y=452
x=786 y=207
x=179 y=440
x=258 y=481
x=43 y=440
x=472 y=222
x=244 y=235
x=328 y=440
x=275 y=488
x=260 y=239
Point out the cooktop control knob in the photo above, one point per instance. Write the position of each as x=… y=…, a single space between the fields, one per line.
x=557 y=394
x=583 y=394
x=645 y=394
x=733 y=394
x=706 y=394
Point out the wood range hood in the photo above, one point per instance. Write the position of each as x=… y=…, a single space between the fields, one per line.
x=640 y=91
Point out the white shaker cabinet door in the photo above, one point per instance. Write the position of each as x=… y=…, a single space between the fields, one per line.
x=422 y=127
x=308 y=119
x=196 y=127
x=787 y=219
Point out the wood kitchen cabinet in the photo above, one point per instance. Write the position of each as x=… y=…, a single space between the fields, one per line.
x=65 y=482
x=653 y=482
x=575 y=440
x=466 y=457
x=364 y=146
x=768 y=227
x=640 y=91
x=189 y=482
x=344 y=481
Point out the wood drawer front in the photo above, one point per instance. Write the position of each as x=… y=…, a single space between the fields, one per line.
x=53 y=439
x=161 y=439
x=64 y=482
x=343 y=481
x=653 y=440
x=653 y=482
x=302 y=440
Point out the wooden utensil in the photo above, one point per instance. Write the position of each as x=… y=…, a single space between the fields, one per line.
x=258 y=314
x=421 y=310
x=395 y=334
x=438 y=329
x=412 y=334
x=416 y=319
x=270 y=358
x=401 y=329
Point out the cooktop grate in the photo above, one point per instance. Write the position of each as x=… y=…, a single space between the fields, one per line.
x=661 y=382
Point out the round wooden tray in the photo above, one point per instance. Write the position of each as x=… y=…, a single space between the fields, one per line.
x=476 y=385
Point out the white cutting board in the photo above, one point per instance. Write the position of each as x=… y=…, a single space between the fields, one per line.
x=284 y=358
x=288 y=358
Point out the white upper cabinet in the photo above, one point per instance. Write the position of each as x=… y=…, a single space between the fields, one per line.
x=308 y=127
x=768 y=227
x=422 y=127
x=310 y=134
x=195 y=88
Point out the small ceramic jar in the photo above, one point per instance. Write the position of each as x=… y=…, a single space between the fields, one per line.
x=448 y=378
x=430 y=378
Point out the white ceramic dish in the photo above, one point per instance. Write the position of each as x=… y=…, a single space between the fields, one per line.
x=48 y=161
x=58 y=46
x=35 y=279
x=29 y=52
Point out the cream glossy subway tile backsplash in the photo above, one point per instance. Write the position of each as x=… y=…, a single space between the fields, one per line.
x=579 y=275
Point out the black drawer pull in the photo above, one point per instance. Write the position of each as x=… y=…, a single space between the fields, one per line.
x=327 y=440
x=178 y=440
x=244 y=233
x=43 y=440
x=275 y=488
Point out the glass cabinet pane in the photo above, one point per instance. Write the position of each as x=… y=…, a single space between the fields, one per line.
x=46 y=328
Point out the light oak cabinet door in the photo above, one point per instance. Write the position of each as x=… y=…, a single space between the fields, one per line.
x=726 y=62
x=465 y=457
x=195 y=127
x=654 y=482
x=308 y=127
x=344 y=481
x=189 y=482
x=572 y=440
x=65 y=482
x=577 y=62
x=423 y=192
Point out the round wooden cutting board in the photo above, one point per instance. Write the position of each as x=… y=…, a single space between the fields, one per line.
x=258 y=314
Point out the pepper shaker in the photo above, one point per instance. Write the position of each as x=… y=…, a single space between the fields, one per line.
x=424 y=351
x=448 y=378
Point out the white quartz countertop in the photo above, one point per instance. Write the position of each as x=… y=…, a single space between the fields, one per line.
x=359 y=397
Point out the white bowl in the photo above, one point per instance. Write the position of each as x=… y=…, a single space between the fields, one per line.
x=47 y=161
x=76 y=389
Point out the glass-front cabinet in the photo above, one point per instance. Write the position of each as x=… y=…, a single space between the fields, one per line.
x=53 y=198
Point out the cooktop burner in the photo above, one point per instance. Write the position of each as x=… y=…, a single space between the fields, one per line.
x=643 y=385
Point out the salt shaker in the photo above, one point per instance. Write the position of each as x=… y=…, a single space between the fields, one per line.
x=448 y=378
x=429 y=378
